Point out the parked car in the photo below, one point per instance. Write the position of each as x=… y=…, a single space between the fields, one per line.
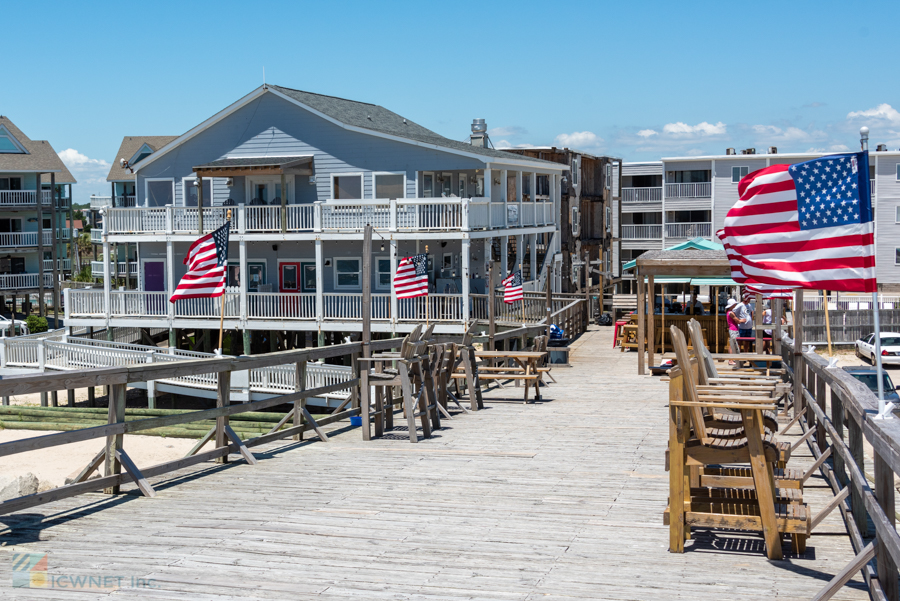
x=869 y=377
x=890 y=348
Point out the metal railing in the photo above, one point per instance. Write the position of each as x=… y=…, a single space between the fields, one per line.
x=688 y=230
x=641 y=232
x=694 y=190
x=639 y=195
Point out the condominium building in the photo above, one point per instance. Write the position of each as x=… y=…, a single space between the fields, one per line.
x=673 y=200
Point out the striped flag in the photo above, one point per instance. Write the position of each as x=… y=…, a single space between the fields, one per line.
x=207 y=262
x=412 y=277
x=512 y=287
x=806 y=225
x=767 y=292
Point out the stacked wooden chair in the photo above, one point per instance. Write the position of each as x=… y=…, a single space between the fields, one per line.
x=463 y=367
x=413 y=376
x=704 y=435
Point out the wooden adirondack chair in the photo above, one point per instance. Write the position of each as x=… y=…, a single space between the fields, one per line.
x=763 y=508
x=710 y=375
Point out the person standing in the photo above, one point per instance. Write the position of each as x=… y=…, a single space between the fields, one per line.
x=744 y=319
x=733 y=331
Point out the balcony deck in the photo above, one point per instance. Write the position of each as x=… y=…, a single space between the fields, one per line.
x=560 y=500
x=401 y=215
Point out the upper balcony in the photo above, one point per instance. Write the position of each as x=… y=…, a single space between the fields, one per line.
x=99 y=202
x=26 y=198
x=688 y=230
x=399 y=215
x=693 y=190
x=30 y=239
x=641 y=195
x=641 y=232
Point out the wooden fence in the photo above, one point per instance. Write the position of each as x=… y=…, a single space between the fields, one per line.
x=836 y=414
x=847 y=325
x=115 y=457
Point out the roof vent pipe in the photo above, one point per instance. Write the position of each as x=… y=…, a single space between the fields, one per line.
x=479 y=135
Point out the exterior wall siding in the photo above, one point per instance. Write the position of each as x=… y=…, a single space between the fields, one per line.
x=887 y=228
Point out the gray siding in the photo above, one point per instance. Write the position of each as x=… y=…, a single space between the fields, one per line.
x=726 y=192
x=271 y=126
x=887 y=231
x=629 y=169
x=687 y=166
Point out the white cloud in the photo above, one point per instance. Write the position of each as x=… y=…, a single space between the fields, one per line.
x=506 y=144
x=646 y=133
x=882 y=112
x=582 y=140
x=701 y=129
x=507 y=131
x=75 y=160
x=773 y=133
x=832 y=148
x=90 y=173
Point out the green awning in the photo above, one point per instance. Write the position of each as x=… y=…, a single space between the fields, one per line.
x=713 y=282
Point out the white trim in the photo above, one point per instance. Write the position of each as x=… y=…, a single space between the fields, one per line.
x=237 y=262
x=193 y=178
x=389 y=272
x=147 y=181
x=741 y=168
x=140 y=150
x=362 y=183
x=898 y=173
x=334 y=262
x=433 y=182
x=375 y=174
x=258 y=92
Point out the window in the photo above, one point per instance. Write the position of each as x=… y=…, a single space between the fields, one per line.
x=608 y=175
x=446 y=180
x=10 y=183
x=897 y=216
x=347 y=273
x=576 y=225
x=256 y=271
x=46 y=223
x=390 y=185
x=463 y=192
x=447 y=262
x=8 y=143
x=346 y=187
x=574 y=172
x=427 y=185
x=383 y=273
x=695 y=176
x=191 y=192
x=608 y=220
x=159 y=192
x=898 y=173
x=10 y=225
x=738 y=173
x=897 y=257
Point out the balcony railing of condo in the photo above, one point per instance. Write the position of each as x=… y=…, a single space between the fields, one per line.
x=12 y=198
x=641 y=232
x=641 y=195
x=694 y=190
x=688 y=230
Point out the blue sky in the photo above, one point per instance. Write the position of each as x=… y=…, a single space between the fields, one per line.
x=640 y=80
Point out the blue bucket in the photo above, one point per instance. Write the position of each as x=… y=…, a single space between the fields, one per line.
x=356 y=420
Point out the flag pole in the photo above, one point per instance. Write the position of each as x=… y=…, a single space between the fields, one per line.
x=828 y=326
x=427 y=295
x=523 y=295
x=222 y=323
x=864 y=144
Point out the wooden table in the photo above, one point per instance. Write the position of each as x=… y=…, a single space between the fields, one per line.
x=527 y=369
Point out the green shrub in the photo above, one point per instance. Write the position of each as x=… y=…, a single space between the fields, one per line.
x=36 y=324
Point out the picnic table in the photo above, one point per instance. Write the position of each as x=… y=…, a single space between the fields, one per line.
x=526 y=368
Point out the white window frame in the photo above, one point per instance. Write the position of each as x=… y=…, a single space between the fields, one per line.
x=147 y=181
x=334 y=264
x=433 y=184
x=21 y=149
x=462 y=185
x=378 y=285
x=375 y=175
x=189 y=180
x=608 y=176
x=739 y=167
x=133 y=158
x=269 y=180
x=575 y=221
x=362 y=183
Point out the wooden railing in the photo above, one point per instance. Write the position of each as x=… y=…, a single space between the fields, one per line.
x=836 y=412
x=227 y=371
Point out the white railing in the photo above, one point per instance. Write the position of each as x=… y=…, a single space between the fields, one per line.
x=206 y=307
x=85 y=303
x=61 y=264
x=630 y=195
x=851 y=302
x=15 y=239
x=21 y=281
x=22 y=353
x=348 y=306
x=281 y=378
x=641 y=232
x=98 y=202
x=695 y=190
x=277 y=305
x=118 y=270
x=27 y=197
x=413 y=214
x=688 y=230
x=434 y=307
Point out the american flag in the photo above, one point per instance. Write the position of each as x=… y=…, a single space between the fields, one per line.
x=412 y=277
x=767 y=292
x=207 y=262
x=806 y=225
x=512 y=287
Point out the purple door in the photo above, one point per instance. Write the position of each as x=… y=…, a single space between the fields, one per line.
x=155 y=281
x=154 y=276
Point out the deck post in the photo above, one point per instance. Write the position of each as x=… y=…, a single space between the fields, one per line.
x=492 y=308
x=651 y=327
x=364 y=388
x=242 y=258
x=283 y=206
x=320 y=294
x=465 y=274
x=114 y=443
x=757 y=322
x=54 y=250
x=884 y=493
x=39 y=207
x=642 y=320
x=151 y=386
x=299 y=386
x=777 y=312
x=199 y=183
x=223 y=399
x=798 y=354
x=855 y=442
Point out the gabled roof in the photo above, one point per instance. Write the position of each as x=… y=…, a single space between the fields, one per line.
x=365 y=118
x=38 y=156
x=130 y=146
x=692 y=244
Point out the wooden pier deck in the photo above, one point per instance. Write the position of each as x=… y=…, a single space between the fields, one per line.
x=558 y=500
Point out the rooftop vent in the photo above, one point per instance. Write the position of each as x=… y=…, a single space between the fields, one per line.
x=881 y=148
x=729 y=151
x=479 y=135
x=773 y=150
x=748 y=151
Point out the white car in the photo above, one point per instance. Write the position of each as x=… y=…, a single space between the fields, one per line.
x=890 y=348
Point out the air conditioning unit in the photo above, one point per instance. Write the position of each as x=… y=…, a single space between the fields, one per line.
x=729 y=152
x=881 y=148
x=773 y=150
x=748 y=151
